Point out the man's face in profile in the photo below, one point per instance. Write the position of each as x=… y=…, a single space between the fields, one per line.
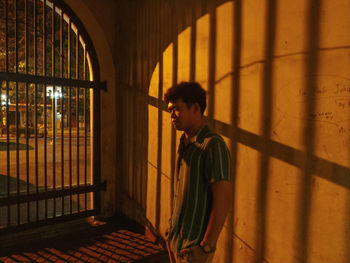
x=181 y=115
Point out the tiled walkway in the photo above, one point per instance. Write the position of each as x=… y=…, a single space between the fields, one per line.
x=104 y=242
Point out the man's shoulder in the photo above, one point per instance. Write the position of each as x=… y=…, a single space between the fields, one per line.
x=207 y=133
x=211 y=138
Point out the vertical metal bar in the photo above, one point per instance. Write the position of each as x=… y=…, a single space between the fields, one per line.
x=1 y=96
x=62 y=113
x=36 y=110
x=1 y=115
x=96 y=143
x=85 y=128
x=45 y=108
x=77 y=110
x=70 y=115
x=7 y=115
x=17 y=119
x=53 y=109
x=27 y=101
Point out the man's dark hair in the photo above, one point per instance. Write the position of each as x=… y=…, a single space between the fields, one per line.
x=189 y=92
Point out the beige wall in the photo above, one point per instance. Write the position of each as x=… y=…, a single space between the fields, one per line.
x=283 y=113
x=277 y=76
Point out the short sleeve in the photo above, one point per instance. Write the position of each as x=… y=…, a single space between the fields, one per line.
x=218 y=161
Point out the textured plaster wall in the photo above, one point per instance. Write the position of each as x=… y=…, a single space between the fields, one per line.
x=277 y=76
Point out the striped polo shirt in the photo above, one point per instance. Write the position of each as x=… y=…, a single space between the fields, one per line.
x=203 y=161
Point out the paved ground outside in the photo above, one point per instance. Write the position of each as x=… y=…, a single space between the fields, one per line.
x=56 y=172
x=111 y=240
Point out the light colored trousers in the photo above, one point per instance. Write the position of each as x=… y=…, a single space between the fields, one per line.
x=175 y=259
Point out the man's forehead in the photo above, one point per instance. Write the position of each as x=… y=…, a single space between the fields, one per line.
x=173 y=104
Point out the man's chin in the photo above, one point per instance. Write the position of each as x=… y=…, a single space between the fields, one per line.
x=177 y=127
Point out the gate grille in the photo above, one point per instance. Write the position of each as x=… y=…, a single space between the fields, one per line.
x=49 y=99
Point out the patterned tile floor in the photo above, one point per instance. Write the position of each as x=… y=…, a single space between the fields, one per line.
x=104 y=242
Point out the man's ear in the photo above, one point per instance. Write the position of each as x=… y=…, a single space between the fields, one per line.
x=197 y=107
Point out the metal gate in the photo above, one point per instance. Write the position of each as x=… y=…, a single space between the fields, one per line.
x=49 y=125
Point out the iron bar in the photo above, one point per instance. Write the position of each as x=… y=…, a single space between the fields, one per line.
x=70 y=115
x=67 y=191
x=53 y=107
x=85 y=127
x=45 y=101
x=36 y=109
x=62 y=113
x=27 y=101
x=47 y=80
x=17 y=119
x=7 y=116
x=96 y=144
x=1 y=113
x=50 y=221
x=77 y=108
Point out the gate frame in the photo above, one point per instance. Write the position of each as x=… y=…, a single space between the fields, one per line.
x=96 y=85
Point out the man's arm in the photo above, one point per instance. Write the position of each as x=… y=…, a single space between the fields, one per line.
x=222 y=198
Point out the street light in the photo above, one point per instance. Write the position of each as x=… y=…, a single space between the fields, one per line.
x=4 y=99
x=54 y=92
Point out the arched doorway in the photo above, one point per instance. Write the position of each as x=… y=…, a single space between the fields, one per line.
x=49 y=144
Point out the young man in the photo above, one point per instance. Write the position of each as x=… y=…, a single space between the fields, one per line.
x=202 y=179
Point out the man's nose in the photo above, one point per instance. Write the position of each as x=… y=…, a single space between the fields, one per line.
x=172 y=114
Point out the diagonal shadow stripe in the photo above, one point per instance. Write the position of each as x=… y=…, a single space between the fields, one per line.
x=323 y=168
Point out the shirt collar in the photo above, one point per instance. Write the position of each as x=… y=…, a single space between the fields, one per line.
x=201 y=133
x=199 y=137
